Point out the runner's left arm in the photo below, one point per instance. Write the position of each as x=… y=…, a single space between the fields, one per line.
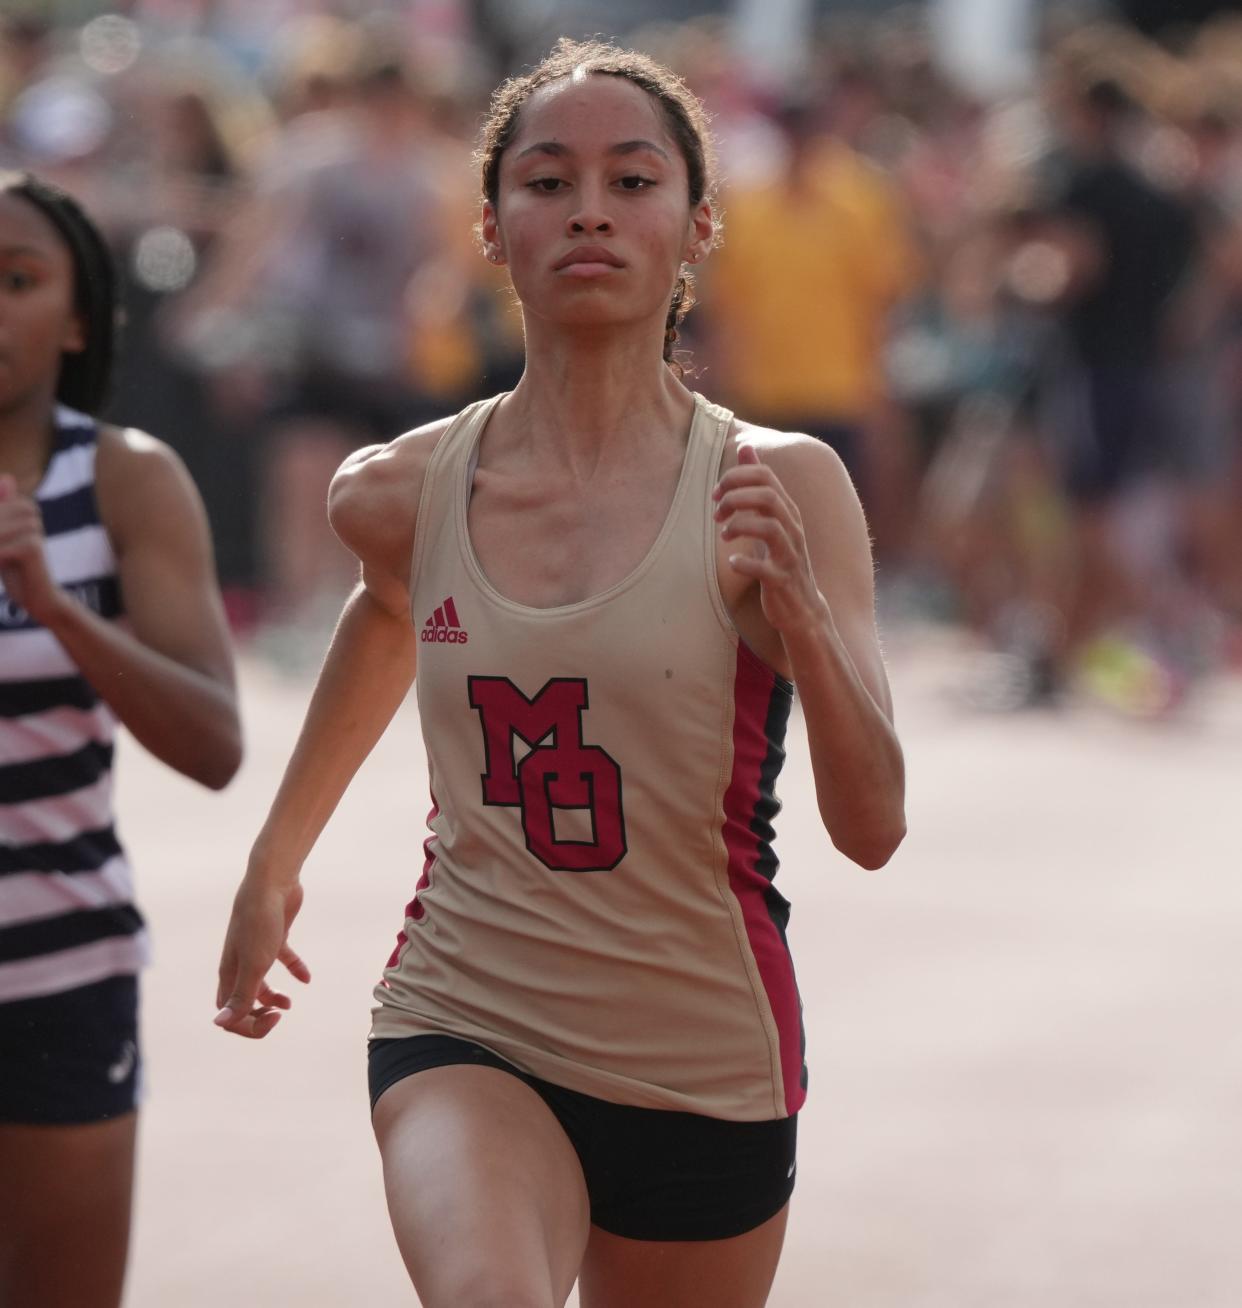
x=801 y=536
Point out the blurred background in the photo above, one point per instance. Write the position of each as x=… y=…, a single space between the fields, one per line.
x=989 y=249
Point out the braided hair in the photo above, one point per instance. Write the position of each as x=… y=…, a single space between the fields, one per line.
x=680 y=305
x=84 y=375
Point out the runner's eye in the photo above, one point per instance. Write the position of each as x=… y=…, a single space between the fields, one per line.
x=548 y=185
x=14 y=279
x=634 y=182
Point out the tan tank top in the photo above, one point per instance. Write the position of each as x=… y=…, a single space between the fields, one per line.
x=596 y=904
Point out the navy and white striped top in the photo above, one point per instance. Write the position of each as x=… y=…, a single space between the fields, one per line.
x=66 y=911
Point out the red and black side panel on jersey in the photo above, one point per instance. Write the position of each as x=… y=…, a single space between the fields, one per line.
x=762 y=701
x=414 y=909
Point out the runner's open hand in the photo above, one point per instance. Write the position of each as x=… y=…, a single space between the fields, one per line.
x=257 y=937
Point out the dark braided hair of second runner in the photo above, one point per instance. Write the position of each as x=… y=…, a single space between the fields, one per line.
x=84 y=375
x=684 y=117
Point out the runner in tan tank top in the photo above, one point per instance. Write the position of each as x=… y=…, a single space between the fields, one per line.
x=587 y=1056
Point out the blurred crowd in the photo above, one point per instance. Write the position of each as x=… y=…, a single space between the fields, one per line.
x=1018 y=320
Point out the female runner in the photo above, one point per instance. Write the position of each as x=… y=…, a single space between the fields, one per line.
x=108 y=610
x=586 y=1057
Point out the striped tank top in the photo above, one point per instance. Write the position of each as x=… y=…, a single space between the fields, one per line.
x=66 y=913
x=596 y=902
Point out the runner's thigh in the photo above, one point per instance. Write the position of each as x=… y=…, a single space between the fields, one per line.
x=65 y=1197
x=733 y=1273
x=485 y=1191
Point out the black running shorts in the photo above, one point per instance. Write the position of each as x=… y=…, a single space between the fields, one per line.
x=72 y=1057
x=651 y=1174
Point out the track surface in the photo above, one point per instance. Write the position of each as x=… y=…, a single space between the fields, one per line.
x=1025 y=1034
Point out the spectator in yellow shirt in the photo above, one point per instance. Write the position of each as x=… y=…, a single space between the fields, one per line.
x=812 y=262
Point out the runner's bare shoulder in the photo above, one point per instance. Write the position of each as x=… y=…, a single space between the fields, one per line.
x=792 y=454
x=373 y=502
x=144 y=491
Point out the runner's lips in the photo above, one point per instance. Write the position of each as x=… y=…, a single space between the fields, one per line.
x=589 y=254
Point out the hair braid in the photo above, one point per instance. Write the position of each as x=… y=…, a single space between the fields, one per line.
x=680 y=305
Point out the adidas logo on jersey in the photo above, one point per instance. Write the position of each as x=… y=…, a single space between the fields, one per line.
x=444 y=627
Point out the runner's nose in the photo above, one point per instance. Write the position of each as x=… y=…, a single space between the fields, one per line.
x=590 y=216
x=579 y=225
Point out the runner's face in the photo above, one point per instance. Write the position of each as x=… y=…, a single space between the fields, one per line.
x=37 y=317
x=594 y=219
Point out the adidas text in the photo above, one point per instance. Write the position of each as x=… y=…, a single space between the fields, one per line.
x=444 y=636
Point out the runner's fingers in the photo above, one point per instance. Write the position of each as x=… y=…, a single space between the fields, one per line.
x=269 y=998
x=255 y=1024
x=750 y=493
x=262 y=1022
x=758 y=566
x=758 y=526
x=747 y=473
x=765 y=496
x=226 y=973
x=750 y=474
x=241 y=999
x=21 y=515
x=19 y=543
x=294 y=962
x=763 y=499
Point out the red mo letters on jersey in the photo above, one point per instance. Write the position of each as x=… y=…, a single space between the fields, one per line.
x=564 y=773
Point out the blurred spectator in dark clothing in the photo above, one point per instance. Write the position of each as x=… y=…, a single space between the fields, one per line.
x=307 y=313
x=1128 y=248
x=1137 y=241
x=184 y=169
x=1204 y=380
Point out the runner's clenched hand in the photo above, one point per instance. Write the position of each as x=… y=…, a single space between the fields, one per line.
x=23 y=556
x=753 y=506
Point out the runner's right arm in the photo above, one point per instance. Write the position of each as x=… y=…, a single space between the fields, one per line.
x=367 y=673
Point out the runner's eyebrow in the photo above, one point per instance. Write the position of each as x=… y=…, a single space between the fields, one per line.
x=7 y=251
x=556 y=149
